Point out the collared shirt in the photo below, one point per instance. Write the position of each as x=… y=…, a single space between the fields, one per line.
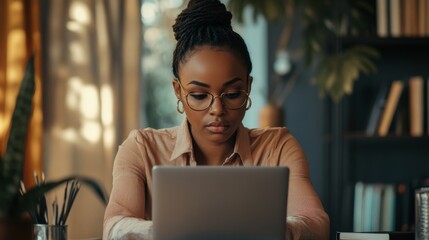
x=145 y=148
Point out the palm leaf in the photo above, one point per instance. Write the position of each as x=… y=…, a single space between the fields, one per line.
x=337 y=72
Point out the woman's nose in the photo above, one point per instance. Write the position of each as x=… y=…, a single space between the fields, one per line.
x=217 y=107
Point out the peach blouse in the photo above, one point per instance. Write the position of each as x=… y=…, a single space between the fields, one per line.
x=128 y=213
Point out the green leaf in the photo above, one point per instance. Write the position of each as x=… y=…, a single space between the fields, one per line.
x=29 y=200
x=338 y=72
x=13 y=162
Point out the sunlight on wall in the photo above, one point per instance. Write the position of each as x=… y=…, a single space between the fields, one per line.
x=89 y=108
x=91 y=104
x=74 y=27
x=107 y=115
x=106 y=105
x=69 y=135
x=78 y=53
x=91 y=131
x=72 y=95
x=79 y=12
x=88 y=90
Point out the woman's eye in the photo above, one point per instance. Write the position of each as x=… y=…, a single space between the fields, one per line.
x=198 y=96
x=233 y=95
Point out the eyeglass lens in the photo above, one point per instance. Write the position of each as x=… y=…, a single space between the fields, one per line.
x=231 y=100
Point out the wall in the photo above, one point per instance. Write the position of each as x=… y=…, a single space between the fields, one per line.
x=304 y=116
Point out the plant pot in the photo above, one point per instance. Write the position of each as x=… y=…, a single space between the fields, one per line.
x=271 y=116
x=16 y=229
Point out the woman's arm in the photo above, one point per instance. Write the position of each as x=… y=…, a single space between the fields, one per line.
x=129 y=228
x=125 y=215
x=307 y=218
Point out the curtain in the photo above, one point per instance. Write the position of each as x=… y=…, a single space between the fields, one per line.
x=91 y=87
x=19 y=39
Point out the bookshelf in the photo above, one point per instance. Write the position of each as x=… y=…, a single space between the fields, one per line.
x=350 y=154
x=356 y=156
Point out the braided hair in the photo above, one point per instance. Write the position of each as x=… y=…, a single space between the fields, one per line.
x=206 y=22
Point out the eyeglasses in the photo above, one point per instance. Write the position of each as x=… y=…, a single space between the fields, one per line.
x=232 y=99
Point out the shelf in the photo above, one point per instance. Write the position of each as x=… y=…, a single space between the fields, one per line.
x=360 y=136
x=387 y=41
x=357 y=156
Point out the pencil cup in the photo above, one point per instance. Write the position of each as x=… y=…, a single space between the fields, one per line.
x=422 y=213
x=50 y=232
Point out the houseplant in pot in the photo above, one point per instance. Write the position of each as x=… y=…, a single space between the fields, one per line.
x=15 y=205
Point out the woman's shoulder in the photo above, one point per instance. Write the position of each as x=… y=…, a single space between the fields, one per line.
x=272 y=136
x=268 y=132
x=150 y=134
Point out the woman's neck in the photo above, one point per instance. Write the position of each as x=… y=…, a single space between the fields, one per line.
x=210 y=155
x=213 y=154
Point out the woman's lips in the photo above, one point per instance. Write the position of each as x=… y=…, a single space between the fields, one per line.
x=217 y=127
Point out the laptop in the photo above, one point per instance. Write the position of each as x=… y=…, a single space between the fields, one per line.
x=219 y=202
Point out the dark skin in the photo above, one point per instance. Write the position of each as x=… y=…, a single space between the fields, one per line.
x=212 y=70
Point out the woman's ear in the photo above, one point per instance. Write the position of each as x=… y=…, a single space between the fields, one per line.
x=176 y=87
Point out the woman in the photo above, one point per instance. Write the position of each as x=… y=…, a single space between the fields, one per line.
x=211 y=65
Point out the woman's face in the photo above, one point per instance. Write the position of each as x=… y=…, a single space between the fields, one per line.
x=212 y=71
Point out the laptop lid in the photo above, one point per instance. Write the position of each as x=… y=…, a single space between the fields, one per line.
x=208 y=202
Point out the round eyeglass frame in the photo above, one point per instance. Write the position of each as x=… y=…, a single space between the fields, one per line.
x=213 y=98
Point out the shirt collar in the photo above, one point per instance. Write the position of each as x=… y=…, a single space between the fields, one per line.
x=184 y=143
x=242 y=146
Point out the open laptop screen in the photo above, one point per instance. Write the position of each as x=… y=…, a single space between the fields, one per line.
x=206 y=202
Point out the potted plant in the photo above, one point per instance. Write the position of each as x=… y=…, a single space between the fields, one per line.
x=14 y=204
x=317 y=28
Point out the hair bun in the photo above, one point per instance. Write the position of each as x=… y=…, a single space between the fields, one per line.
x=201 y=14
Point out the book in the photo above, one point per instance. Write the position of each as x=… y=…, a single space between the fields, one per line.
x=427 y=18
x=377 y=110
x=390 y=108
x=358 y=207
x=382 y=18
x=403 y=207
x=416 y=105
x=401 y=123
x=367 y=211
x=422 y=22
x=387 y=221
x=403 y=16
x=395 y=18
x=410 y=18
x=376 y=207
x=427 y=100
x=375 y=235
